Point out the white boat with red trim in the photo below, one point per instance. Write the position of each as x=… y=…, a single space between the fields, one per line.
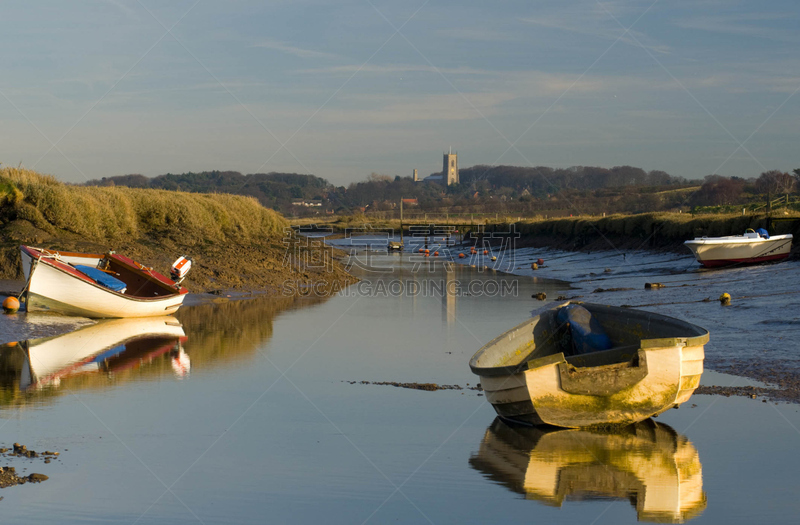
x=98 y=285
x=755 y=246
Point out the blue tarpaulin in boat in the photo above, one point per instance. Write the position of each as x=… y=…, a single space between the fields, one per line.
x=587 y=334
x=102 y=278
x=762 y=232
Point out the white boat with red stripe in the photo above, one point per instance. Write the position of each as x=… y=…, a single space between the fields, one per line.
x=751 y=248
x=96 y=285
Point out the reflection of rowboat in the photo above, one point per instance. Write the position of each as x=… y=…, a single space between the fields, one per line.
x=94 y=285
x=648 y=463
x=752 y=247
x=557 y=369
x=110 y=346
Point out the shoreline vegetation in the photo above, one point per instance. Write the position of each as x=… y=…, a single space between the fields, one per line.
x=662 y=231
x=235 y=243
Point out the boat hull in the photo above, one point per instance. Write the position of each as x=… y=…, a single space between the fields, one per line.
x=56 y=287
x=638 y=381
x=726 y=251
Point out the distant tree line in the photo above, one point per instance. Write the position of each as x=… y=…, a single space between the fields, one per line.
x=490 y=189
x=273 y=190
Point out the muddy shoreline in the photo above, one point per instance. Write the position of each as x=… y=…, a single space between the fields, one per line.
x=219 y=268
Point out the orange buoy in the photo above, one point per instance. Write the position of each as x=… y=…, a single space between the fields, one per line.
x=486 y=252
x=10 y=305
x=427 y=255
x=540 y=261
x=461 y=255
x=436 y=254
x=421 y=250
x=427 y=250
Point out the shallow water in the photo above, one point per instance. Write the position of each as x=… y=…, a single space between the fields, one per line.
x=251 y=415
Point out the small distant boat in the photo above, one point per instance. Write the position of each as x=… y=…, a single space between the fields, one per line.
x=648 y=464
x=755 y=246
x=99 y=285
x=585 y=365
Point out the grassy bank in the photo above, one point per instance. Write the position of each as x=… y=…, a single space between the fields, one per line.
x=643 y=231
x=234 y=241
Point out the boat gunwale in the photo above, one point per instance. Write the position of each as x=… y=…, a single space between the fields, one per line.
x=737 y=239
x=546 y=360
x=72 y=272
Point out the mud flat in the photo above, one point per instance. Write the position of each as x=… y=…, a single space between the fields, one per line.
x=754 y=337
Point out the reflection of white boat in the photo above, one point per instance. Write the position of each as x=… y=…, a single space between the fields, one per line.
x=110 y=345
x=648 y=463
x=752 y=247
x=546 y=370
x=94 y=285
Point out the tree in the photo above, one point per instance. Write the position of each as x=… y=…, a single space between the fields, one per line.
x=717 y=190
x=775 y=182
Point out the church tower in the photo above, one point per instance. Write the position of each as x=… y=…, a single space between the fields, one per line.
x=450 y=168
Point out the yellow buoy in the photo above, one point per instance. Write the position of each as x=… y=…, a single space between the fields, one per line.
x=534 y=266
x=725 y=299
x=10 y=305
x=494 y=258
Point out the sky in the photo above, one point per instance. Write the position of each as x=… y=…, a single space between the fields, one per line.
x=342 y=89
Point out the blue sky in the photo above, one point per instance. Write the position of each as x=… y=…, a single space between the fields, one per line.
x=343 y=89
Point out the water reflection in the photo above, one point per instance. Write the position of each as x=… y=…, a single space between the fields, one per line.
x=113 y=351
x=36 y=368
x=649 y=463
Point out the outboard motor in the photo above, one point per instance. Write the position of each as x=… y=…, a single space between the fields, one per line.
x=180 y=268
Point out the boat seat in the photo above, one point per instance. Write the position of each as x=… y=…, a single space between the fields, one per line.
x=586 y=332
x=102 y=278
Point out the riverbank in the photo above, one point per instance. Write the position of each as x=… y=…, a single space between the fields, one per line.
x=234 y=242
x=652 y=231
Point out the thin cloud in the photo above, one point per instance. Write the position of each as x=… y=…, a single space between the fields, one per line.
x=481 y=35
x=592 y=27
x=393 y=69
x=293 y=50
x=750 y=25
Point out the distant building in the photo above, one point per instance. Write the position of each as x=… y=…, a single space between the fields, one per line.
x=450 y=167
x=308 y=204
x=449 y=174
x=410 y=202
x=416 y=176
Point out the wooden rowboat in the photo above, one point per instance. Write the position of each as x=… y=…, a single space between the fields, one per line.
x=96 y=285
x=545 y=371
x=648 y=464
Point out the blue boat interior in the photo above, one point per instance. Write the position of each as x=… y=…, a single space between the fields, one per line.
x=102 y=278
x=587 y=334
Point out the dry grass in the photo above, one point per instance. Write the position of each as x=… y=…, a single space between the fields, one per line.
x=105 y=214
x=658 y=228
